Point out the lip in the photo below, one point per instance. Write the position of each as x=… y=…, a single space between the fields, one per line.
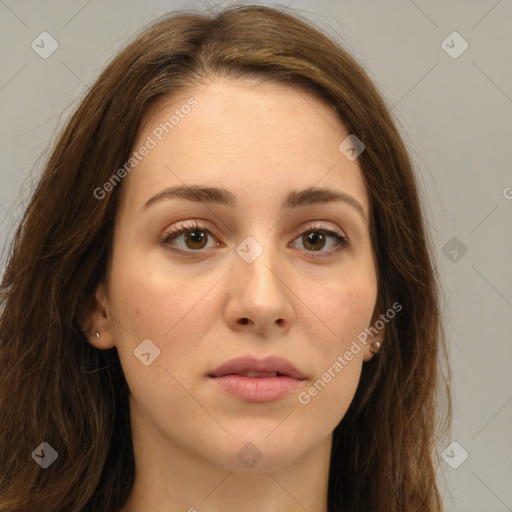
x=257 y=389
x=269 y=364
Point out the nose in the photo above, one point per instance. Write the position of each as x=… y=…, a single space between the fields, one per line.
x=259 y=297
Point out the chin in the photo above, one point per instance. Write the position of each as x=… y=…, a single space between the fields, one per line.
x=246 y=453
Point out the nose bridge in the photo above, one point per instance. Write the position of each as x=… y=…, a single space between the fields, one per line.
x=258 y=263
x=261 y=294
x=258 y=294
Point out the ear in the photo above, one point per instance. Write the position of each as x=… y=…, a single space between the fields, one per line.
x=376 y=332
x=96 y=319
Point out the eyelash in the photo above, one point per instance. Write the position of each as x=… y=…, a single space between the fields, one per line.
x=341 y=241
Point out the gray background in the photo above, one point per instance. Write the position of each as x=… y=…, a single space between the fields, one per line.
x=454 y=113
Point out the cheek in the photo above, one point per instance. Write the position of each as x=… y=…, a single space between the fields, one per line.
x=344 y=307
x=174 y=313
x=352 y=311
x=162 y=307
x=337 y=354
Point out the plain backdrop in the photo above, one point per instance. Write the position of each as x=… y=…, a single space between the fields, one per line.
x=453 y=105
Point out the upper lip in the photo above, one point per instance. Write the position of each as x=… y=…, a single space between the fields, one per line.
x=270 y=364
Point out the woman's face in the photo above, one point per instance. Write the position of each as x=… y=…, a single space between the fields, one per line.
x=257 y=278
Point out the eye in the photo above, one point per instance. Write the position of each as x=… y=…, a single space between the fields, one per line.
x=316 y=237
x=195 y=236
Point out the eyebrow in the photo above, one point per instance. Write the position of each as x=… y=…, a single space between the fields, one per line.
x=293 y=199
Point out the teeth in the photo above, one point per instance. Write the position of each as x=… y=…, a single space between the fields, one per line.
x=258 y=374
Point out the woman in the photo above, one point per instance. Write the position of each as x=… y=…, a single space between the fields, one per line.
x=222 y=294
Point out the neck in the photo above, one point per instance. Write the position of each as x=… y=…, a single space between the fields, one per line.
x=174 y=478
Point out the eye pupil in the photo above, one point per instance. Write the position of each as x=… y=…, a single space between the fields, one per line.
x=313 y=237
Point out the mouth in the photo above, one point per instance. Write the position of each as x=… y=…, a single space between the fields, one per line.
x=253 y=374
x=258 y=368
x=257 y=381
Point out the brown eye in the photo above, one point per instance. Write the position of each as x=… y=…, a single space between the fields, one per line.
x=195 y=237
x=314 y=240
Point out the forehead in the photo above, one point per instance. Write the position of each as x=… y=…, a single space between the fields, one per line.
x=254 y=138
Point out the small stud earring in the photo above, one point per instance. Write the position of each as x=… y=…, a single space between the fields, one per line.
x=97 y=335
x=375 y=347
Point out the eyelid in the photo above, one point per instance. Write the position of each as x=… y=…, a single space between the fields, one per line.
x=204 y=225
x=320 y=225
x=188 y=225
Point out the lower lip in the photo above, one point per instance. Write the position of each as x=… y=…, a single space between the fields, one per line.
x=257 y=389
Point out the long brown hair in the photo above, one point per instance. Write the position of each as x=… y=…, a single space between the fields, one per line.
x=57 y=388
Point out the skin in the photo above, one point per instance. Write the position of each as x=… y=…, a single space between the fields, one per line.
x=258 y=140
